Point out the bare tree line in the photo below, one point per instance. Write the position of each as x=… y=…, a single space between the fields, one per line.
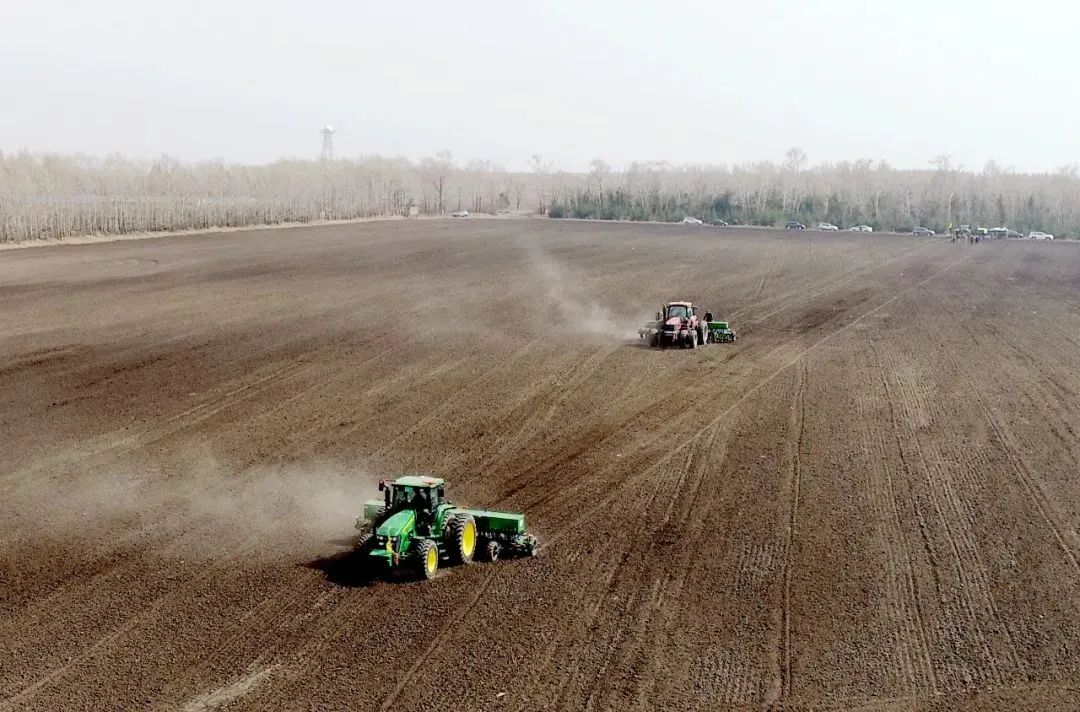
x=57 y=196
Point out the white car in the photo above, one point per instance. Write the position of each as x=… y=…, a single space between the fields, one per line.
x=827 y=227
x=460 y=214
x=863 y=228
x=1037 y=235
x=691 y=221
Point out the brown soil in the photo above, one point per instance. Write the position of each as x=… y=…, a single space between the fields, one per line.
x=869 y=501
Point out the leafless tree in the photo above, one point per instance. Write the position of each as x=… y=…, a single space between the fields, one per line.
x=56 y=196
x=540 y=168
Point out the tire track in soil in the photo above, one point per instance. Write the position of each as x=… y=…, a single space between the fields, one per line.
x=960 y=699
x=691 y=521
x=646 y=594
x=638 y=597
x=964 y=471
x=900 y=432
x=634 y=479
x=900 y=578
x=154 y=432
x=768 y=271
x=1067 y=541
x=782 y=687
x=87 y=652
x=639 y=547
x=749 y=393
x=693 y=439
x=526 y=415
x=779 y=300
x=1036 y=389
x=452 y=624
x=804 y=293
x=437 y=643
x=258 y=624
x=455 y=397
x=628 y=554
x=972 y=599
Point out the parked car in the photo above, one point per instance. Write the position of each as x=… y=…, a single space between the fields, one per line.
x=690 y=221
x=1013 y=235
x=827 y=227
x=794 y=226
x=863 y=228
x=1039 y=235
x=923 y=232
x=460 y=214
x=719 y=223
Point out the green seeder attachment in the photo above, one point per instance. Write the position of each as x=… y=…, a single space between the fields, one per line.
x=414 y=526
x=720 y=332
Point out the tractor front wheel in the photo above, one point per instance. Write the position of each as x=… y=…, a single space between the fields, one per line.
x=460 y=538
x=427 y=558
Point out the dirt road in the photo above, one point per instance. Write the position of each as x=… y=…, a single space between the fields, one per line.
x=870 y=501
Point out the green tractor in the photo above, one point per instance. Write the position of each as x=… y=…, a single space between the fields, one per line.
x=413 y=526
x=720 y=332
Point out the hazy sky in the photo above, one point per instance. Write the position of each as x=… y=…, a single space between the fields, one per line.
x=678 y=81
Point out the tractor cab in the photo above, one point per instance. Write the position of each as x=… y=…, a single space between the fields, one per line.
x=412 y=489
x=419 y=494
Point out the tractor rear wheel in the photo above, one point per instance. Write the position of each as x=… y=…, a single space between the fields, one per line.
x=427 y=558
x=460 y=538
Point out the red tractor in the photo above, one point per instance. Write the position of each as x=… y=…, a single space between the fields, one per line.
x=678 y=324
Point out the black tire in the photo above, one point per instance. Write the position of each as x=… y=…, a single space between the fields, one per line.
x=459 y=536
x=654 y=341
x=492 y=550
x=423 y=559
x=380 y=516
x=365 y=544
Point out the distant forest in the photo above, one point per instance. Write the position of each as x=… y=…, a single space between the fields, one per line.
x=56 y=196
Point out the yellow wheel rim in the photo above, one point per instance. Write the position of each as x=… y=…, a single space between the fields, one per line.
x=432 y=561
x=468 y=539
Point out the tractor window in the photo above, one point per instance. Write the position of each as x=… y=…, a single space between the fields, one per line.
x=676 y=312
x=402 y=496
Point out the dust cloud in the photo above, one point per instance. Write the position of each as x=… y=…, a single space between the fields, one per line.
x=577 y=311
x=201 y=506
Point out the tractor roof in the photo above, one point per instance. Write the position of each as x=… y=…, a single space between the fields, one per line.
x=679 y=304
x=419 y=481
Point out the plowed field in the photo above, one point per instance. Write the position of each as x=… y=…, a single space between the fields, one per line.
x=870 y=501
